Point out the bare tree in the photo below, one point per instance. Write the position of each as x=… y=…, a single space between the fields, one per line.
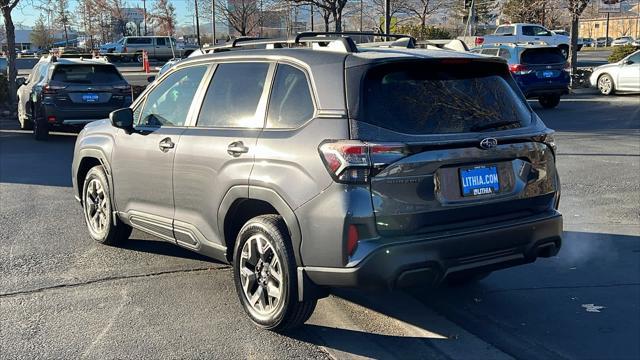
x=423 y=9
x=529 y=11
x=334 y=7
x=40 y=35
x=164 y=15
x=63 y=17
x=7 y=6
x=576 y=7
x=241 y=15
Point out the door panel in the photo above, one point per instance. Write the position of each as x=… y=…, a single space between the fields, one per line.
x=629 y=77
x=218 y=152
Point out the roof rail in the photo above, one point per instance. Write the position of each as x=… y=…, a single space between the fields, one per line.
x=343 y=38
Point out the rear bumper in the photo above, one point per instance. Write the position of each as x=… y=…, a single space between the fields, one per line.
x=77 y=117
x=427 y=261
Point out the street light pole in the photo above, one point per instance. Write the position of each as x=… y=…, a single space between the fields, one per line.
x=213 y=21
x=387 y=16
x=144 y=15
x=197 y=23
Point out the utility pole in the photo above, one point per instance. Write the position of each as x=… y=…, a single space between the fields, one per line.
x=606 y=37
x=387 y=16
x=361 y=13
x=144 y=16
x=213 y=21
x=311 y=15
x=197 y=24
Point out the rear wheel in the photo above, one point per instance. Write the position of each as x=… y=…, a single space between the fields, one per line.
x=40 y=127
x=549 y=101
x=265 y=275
x=98 y=210
x=605 y=84
x=139 y=58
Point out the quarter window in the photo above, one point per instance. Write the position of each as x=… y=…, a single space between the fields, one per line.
x=233 y=96
x=168 y=104
x=291 y=104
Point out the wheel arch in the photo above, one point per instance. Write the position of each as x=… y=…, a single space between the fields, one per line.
x=88 y=159
x=242 y=203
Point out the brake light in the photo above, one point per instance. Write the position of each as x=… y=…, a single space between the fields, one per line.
x=519 y=69
x=352 y=161
x=51 y=119
x=479 y=40
x=567 y=67
x=51 y=89
x=549 y=140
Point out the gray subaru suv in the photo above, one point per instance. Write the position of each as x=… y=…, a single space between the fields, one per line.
x=314 y=162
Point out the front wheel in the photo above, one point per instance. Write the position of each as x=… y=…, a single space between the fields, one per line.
x=265 y=275
x=549 y=101
x=96 y=202
x=605 y=84
x=40 y=127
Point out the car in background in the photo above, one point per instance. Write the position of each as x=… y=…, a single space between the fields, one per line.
x=540 y=71
x=70 y=92
x=636 y=43
x=157 y=47
x=588 y=42
x=622 y=41
x=602 y=41
x=522 y=33
x=623 y=75
x=4 y=69
x=567 y=34
x=109 y=47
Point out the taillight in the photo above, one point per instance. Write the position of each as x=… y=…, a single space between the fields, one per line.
x=519 y=69
x=122 y=87
x=352 y=161
x=51 y=89
x=549 y=140
x=479 y=40
x=567 y=67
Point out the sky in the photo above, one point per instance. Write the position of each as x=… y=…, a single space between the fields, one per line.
x=25 y=14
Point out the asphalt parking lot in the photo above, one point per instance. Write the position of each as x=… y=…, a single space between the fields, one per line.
x=64 y=296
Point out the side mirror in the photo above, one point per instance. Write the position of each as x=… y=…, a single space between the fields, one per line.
x=627 y=62
x=122 y=119
x=21 y=81
x=151 y=79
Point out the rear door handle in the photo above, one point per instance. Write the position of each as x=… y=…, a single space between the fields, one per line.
x=166 y=144
x=236 y=148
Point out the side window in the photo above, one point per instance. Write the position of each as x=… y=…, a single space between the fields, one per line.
x=504 y=53
x=168 y=104
x=635 y=58
x=540 y=31
x=492 y=52
x=528 y=31
x=160 y=41
x=233 y=96
x=291 y=104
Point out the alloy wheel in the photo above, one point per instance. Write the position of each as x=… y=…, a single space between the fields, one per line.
x=96 y=206
x=604 y=85
x=261 y=275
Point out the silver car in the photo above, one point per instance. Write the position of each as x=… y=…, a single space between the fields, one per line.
x=621 y=41
x=623 y=75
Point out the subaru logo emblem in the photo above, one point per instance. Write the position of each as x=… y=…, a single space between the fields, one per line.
x=488 y=143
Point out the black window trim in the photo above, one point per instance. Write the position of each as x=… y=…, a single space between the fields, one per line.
x=142 y=100
x=311 y=92
x=262 y=103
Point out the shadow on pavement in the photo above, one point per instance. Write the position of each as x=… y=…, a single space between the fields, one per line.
x=27 y=161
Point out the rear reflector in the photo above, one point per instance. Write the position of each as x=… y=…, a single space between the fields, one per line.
x=479 y=40
x=352 y=239
x=51 y=119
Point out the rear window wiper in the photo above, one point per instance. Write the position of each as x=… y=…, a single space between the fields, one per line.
x=494 y=125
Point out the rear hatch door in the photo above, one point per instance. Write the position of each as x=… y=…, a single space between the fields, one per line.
x=473 y=151
x=545 y=63
x=80 y=86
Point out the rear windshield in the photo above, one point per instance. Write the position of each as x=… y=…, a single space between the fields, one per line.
x=422 y=99
x=86 y=74
x=542 y=56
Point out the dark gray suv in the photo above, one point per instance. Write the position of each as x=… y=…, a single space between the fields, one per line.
x=317 y=163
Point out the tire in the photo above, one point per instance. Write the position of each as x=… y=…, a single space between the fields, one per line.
x=605 y=85
x=455 y=280
x=139 y=58
x=40 y=127
x=97 y=209
x=549 y=101
x=259 y=275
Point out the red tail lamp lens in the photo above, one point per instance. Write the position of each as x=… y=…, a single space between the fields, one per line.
x=352 y=239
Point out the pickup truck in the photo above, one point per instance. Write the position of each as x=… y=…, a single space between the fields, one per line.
x=522 y=33
x=157 y=47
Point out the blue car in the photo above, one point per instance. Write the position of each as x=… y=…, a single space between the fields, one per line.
x=540 y=71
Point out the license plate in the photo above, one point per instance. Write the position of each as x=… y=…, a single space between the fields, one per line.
x=479 y=180
x=90 y=97
x=547 y=74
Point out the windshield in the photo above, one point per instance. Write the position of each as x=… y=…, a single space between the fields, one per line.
x=436 y=99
